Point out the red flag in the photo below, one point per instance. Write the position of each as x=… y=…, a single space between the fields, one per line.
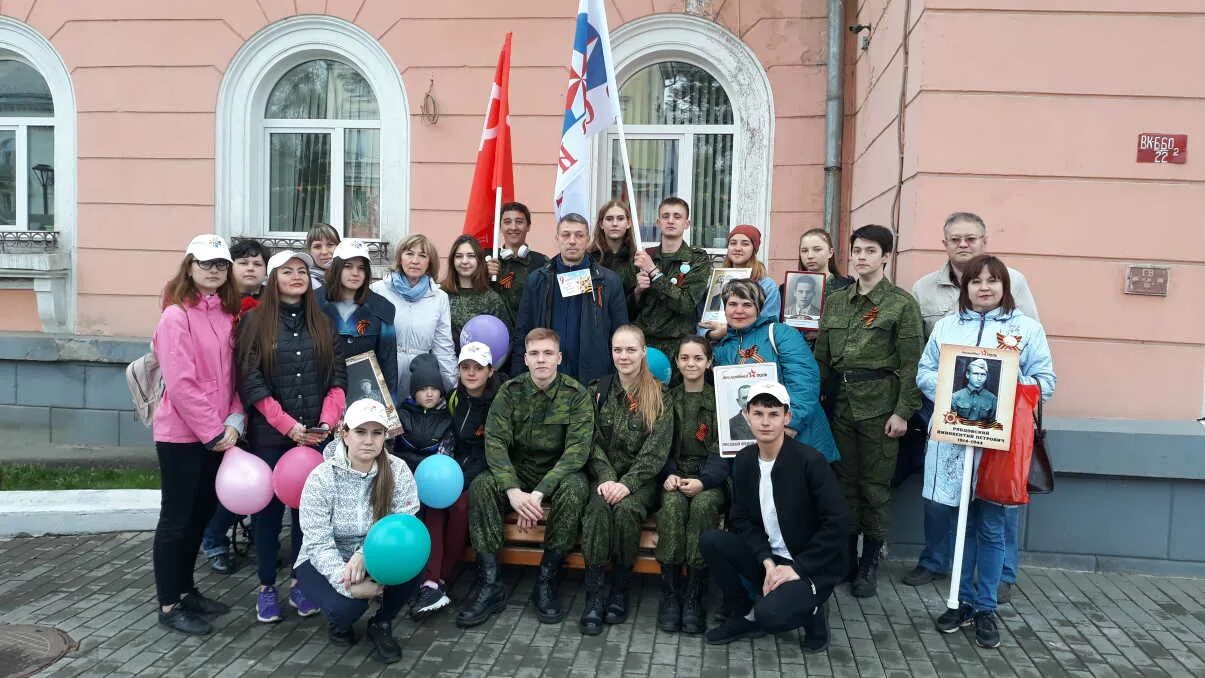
x=494 y=168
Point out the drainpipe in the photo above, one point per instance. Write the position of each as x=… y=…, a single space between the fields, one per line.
x=834 y=117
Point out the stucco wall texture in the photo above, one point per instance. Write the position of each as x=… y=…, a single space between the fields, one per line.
x=1024 y=111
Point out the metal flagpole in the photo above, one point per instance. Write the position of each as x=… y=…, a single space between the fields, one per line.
x=964 y=499
x=497 y=225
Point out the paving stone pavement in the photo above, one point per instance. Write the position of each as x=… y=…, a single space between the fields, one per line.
x=99 y=589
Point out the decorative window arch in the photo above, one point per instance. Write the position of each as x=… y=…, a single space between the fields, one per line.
x=38 y=186
x=721 y=149
x=318 y=89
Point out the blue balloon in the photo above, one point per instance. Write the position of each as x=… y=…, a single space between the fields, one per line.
x=440 y=481
x=396 y=549
x=658 y=364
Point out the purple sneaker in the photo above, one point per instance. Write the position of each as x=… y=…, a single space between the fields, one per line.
x=298 y=600
x=267 y=605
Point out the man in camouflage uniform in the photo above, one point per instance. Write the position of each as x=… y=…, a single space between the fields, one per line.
x=517 y=260
x=623 y=466
x=538 y=436
x=973 y=402
x=869 y=345
x=671 y=281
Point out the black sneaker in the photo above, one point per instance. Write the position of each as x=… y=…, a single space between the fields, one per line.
x=735 y=628
x=1004 y=593
x=952 y=620
x=381 y=635
x=919 y=576
x=198 y=604
x=222 y=563
x=342 y=636
x=180 y=619
x=986 y=633
x=429 y=600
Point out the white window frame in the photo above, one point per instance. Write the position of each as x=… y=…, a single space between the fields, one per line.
x=707 y=45
x=48 y=273
x=242 y=149
x=20 y=129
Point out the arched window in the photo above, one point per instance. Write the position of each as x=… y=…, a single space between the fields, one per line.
x=699 y=121
x=26 y=147
x=313 y=126
x=323 y=139
x=679 y=128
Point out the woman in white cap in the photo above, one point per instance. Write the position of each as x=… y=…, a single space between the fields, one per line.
x=292 y=375
x=356 y=485
x=198 y=418
x=362 y=319
x=423 y=317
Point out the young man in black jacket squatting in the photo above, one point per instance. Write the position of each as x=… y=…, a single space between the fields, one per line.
x=786 y=551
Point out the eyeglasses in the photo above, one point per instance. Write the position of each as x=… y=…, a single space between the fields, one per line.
x=213 y=264
x=968 y=239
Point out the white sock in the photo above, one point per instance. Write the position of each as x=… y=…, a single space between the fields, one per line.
x=752 y=616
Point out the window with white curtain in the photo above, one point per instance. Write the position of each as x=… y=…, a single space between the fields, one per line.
x=26 y=147
x=322 y=139
x=679 y=127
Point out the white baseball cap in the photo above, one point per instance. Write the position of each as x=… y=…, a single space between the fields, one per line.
x=366 y=410
x=281 y=257
x=207 y=247
x=477 y=352
x=349 y=248
x=772 y=389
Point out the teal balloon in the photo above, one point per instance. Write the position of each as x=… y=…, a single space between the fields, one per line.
x=658 y=364
x=440 y=481
x=396 y=549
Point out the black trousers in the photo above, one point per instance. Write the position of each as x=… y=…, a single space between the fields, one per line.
x=740 y=575
x=187 y=472
x=343 y=611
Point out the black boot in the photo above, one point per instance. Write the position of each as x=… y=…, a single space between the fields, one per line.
x=596 y=601
x=852 y=550
x=380 y=632
x=669 y=610
x=543 y=596
x=816 y=631
x=490 y=597
x=617 y=602
x=866 y=585
x=694 y=616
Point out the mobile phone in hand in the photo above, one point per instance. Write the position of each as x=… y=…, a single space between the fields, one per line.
x=316 y=430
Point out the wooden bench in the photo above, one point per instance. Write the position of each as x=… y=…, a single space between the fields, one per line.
x=525 y=547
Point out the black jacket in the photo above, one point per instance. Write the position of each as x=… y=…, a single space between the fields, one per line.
x=369 y=328
x=468 y=424
x=603 y=313
x=424 y=432
x=811 y=510
x=297 y=382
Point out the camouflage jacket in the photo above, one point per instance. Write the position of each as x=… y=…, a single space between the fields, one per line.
x=881 y=330
x=534 y=437
x=468 y=304
x=511 y=278
x=696 y=436
x=668 y=310
x=621 y=263
x=624 y=450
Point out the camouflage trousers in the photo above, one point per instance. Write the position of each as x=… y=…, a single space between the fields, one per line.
x=488 y=505
x=611 y=534
x=681 y=521
x=865 y=470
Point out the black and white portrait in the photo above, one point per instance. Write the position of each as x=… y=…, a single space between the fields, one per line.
x=976 y=382
x=732 y=386
x=713 y=307
x=803 y=299
x=365 y=380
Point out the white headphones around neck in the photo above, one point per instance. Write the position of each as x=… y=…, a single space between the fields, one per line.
x=506 y=253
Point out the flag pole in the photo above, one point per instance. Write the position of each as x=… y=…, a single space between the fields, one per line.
x=497 y=225
x=605 y=38
x=968 y=460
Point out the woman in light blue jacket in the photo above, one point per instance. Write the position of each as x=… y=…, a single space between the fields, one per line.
x=987 y=317
x=755 y=338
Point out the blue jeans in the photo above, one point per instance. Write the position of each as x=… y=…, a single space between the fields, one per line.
x=343 y=611
x=983 y=555
x=266 y=525
x=215 y=542
x=940 y=523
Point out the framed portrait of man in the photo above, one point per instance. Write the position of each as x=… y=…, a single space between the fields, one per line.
x=713 y=305
x=803 y=299
x=365 y=380
x=732 y=386
x=976 y=390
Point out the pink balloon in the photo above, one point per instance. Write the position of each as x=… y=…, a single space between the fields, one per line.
x=244 y=482
x=288 y=478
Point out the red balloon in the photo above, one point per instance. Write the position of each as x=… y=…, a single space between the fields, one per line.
x=288 y=478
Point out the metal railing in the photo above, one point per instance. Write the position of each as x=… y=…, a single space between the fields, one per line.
x=14 y=242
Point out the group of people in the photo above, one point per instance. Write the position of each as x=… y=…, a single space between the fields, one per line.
x=576 y=434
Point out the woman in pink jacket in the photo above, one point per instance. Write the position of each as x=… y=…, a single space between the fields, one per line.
x=199 y=417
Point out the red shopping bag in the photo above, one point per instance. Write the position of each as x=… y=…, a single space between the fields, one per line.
x=1004 y=475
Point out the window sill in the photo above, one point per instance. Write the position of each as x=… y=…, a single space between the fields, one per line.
x=30 y=260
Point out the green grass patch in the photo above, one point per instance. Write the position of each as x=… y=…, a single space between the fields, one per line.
x=38 y=477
